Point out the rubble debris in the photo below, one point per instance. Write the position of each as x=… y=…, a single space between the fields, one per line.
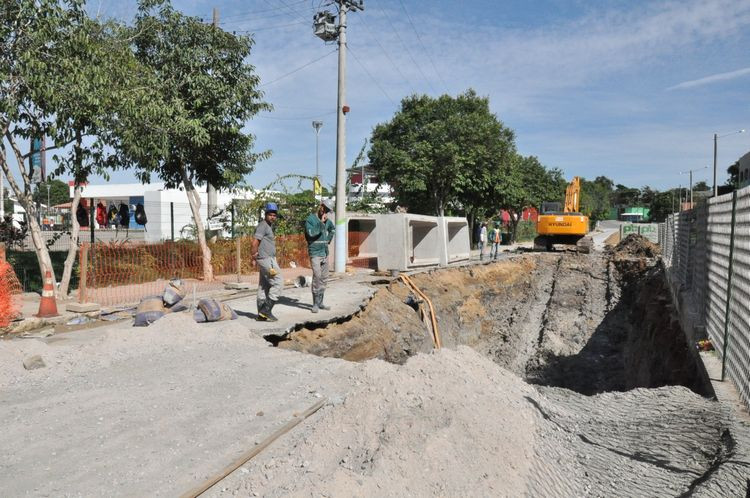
x=638 y=246
x=33 y=362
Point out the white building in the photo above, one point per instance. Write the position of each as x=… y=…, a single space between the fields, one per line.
x=364 y=181
x=166 y=209
x=743 y=175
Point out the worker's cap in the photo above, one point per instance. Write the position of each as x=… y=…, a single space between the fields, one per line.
x=271 y=207
x=328 y=204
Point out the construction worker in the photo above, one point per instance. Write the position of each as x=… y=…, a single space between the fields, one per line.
x=319 y=230
x=494 y=240
x=482 y=239
x=270 y=281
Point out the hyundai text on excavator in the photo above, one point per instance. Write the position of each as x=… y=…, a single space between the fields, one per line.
x=563 y=226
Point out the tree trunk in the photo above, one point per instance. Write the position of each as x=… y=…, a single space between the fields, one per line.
x=73 y=248
x=40 y=248
x=42 y=253
x=195 y=207
x=514 y=227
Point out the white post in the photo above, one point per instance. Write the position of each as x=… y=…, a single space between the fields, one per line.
x=341 y=224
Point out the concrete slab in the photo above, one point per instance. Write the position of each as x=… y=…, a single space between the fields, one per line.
x=82 y=307
x=238 y=285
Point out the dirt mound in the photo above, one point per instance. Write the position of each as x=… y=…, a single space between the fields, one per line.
x=637 y=246
x=388 y=329
x=453 y=423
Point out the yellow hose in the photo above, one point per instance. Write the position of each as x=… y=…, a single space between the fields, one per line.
x=435 y=333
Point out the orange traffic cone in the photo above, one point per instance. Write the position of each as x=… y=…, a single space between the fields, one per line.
x=48 y=305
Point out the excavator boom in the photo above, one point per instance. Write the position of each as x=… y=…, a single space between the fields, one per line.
x=573 y=196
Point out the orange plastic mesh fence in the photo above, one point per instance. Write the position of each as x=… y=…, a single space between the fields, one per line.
x=124 y=273
x=10 y=291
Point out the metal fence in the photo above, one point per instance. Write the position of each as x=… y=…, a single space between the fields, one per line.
x=706 y=253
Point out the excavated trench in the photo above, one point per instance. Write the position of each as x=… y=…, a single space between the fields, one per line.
x=590 y=323
x=588 y=330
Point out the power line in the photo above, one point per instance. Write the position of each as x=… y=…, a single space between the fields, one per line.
x=298 y=69
x=408 y=17
x=273 y=9
x=263 y=28
x=255 y=18
x=371 y=77
x=387 y=55
x=293 y=11
x=406 y=48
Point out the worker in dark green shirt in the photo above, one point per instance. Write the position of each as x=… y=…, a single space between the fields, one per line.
x=319 y=230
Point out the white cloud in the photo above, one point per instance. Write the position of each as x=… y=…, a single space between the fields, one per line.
x=711 y=79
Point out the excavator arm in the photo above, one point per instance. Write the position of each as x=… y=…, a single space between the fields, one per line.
x=573 y=196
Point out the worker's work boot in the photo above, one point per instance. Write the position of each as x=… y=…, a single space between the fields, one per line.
x=265 y=314
x=315 y=303
x=320 y=301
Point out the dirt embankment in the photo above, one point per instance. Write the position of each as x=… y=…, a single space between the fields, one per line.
x=479 y=307
x=587 y=322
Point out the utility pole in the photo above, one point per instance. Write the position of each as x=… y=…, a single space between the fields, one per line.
x=317 y=125
x=324 y=28
x=716 y=187
x=691 y=181
x=210 y=190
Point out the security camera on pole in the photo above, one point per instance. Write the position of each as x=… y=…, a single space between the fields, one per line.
x=324 y=28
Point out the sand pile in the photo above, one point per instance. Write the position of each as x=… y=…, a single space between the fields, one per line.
x=450 y=424
x=455 y=424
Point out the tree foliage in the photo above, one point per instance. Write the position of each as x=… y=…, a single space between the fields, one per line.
x=59 y=192
x=211 y=91
x=439 y=153
x=526 y=183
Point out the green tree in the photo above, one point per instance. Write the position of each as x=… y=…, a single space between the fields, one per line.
x=59 y=192
x=48 y=73
x=440 y=152
x=204 y=74
x=734 y=175
x=595 y=198
x=525 y=183
x=76 y=81
x=623 y=196
x=662 y=204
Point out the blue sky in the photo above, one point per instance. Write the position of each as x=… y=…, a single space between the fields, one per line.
x=627 y=89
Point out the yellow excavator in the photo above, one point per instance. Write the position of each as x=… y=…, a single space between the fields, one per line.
x=558 y=224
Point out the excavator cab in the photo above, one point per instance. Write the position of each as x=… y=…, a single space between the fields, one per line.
x=563 y=224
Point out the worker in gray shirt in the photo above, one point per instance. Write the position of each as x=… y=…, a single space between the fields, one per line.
x=270 y=281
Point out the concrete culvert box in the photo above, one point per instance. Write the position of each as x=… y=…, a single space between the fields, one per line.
x=362 y=241
x=455 y=233
x=407 y=241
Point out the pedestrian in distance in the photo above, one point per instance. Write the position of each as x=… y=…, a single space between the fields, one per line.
x=477 y=233
x=319 y=231
x=495 y=237
x=482 y=240
x=270 y=281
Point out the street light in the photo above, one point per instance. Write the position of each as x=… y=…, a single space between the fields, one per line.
x=716 y=137
x=691 y=182
x=317 y=125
